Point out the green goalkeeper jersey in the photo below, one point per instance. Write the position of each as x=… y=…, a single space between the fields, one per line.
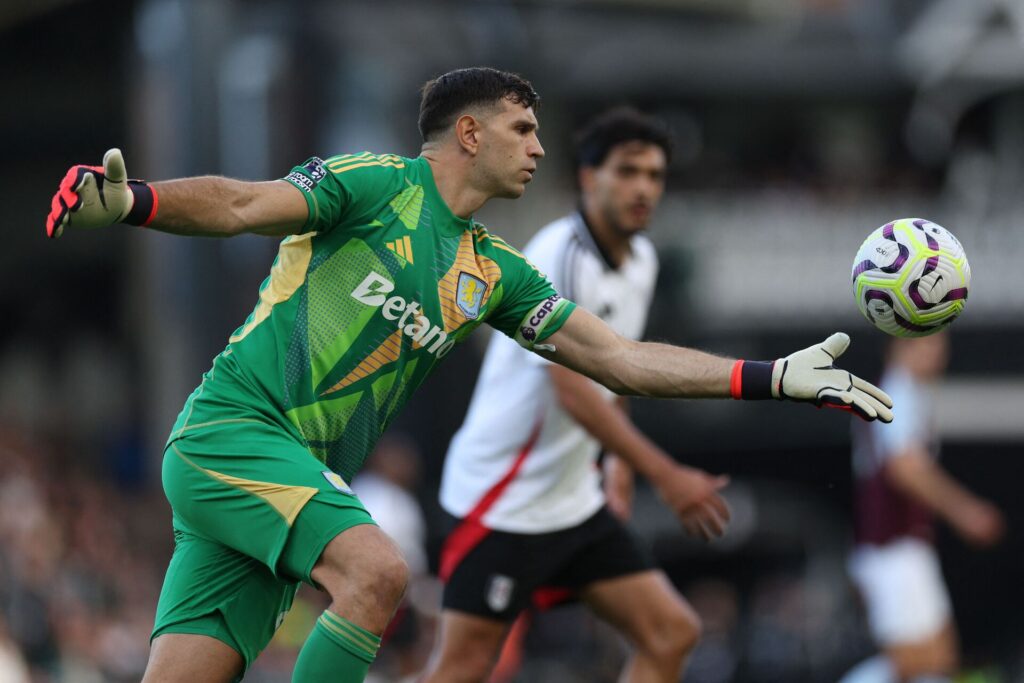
x=360 y=308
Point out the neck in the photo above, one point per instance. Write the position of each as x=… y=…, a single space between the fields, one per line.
x=611 y=241
x=451 y=171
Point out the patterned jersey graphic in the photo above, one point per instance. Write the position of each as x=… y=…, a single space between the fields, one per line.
x=358 y=309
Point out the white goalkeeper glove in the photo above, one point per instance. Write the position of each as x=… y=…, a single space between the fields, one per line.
x=809 y=376
x=98 y=196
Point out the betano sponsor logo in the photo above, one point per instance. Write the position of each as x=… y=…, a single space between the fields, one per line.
x=374 y=290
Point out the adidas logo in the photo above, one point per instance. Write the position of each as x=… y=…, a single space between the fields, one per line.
x=402 y=249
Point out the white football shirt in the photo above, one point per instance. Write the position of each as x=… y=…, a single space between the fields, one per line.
x=519 y=462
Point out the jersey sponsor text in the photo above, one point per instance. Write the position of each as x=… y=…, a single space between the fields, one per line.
x=373 y=291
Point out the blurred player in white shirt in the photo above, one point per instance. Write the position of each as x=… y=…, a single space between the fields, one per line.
x=900 y=488
x=531 y=522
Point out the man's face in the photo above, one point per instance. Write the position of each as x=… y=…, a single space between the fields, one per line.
x=509 y=149
x=626 y=188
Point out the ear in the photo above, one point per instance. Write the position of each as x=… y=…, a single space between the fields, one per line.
x=467 y=133
x=586 y=178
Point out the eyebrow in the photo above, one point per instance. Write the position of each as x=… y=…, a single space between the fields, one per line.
x=532 y=125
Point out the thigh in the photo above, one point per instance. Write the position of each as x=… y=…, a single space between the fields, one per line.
x=643 y=606
x=215 y=592
x=602 y=548
x=257 y=491
x=190 y=658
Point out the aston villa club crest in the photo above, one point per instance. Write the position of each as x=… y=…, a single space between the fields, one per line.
x=470 y=294
x=337 y=482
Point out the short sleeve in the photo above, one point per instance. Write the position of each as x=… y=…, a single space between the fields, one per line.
x=912 y=426
x=344 y=190
x=530 y=309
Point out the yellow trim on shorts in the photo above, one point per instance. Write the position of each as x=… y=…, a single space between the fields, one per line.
x=287 y=500
x=214 y=422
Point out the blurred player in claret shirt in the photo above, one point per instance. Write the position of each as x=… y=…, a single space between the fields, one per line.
x=900 y=489
x=531 y=524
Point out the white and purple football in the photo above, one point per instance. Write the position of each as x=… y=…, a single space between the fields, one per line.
x=911 y=277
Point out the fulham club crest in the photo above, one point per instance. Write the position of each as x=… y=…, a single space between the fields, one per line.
x=499 y=592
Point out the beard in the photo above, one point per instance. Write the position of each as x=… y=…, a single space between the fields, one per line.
x=621 y=223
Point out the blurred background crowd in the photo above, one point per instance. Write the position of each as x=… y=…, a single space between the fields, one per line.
x=801 y=126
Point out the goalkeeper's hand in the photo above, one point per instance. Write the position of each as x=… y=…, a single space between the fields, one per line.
x=808 y=375
x=98 y=196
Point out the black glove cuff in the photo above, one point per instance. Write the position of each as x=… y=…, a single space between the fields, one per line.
x=144 y=207
x=751 y=380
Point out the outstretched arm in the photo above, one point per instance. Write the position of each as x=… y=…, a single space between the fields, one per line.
x=590 y=347
x=211 y=206
x=916 y=474
x=690 y=493
x=587 y=345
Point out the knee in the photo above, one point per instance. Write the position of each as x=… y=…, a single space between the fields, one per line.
x=689 y=628
x=375 y=574
x=930 y=659
x=675 y=635
x=385 y=579
x=935 y=662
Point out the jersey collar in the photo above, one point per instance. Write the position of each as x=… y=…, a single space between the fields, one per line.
x=586 y=236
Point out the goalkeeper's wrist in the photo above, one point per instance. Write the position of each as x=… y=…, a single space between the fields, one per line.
x=144 y=204
x=751 y=380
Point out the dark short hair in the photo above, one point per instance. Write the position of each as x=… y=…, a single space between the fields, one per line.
x=452 y=93
x=615 y=127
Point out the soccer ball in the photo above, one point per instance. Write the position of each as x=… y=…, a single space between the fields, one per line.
x=911 y=277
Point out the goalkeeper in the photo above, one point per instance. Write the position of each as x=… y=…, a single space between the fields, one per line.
x=382 y=270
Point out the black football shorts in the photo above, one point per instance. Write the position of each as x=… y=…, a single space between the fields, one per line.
x=498 y=574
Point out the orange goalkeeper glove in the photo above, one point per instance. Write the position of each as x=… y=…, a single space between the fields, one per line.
x=98 y=196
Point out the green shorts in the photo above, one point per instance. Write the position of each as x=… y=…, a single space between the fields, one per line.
x=253 y=510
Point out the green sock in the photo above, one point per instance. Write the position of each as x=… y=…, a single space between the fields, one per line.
x=337 y=651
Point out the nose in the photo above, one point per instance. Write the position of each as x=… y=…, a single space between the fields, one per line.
x=536 y=150
x=649 y=188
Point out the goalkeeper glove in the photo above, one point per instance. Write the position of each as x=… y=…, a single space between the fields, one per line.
x=808 y=375
x=98 y=196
